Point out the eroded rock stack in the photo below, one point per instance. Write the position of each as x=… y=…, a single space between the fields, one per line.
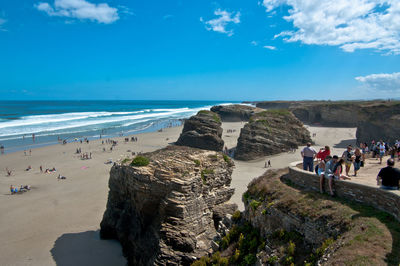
x=270 y=132
x=235 y=112
x=202 y=131
x=162 y=213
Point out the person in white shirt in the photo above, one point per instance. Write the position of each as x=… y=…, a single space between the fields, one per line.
x=308 y=153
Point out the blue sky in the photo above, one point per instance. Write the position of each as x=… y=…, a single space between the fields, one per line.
x=199 y=50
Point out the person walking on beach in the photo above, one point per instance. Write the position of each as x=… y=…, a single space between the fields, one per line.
x=2 y=149
x=308 y=153
x=269 y=163
x=41 y=169
x=389 y=176
x=348 y=158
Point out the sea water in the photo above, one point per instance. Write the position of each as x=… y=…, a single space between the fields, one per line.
x=52 y=121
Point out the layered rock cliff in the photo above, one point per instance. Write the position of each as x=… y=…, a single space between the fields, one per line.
x=321 y=230
x=282 y=225
x=202 y=131
x=235 y=112
x=165 y=210
x=373 y=119
x=270 y=132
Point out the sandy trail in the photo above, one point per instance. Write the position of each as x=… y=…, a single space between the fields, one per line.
x=336 y=138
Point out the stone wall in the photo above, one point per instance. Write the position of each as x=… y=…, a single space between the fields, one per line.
x=387 y=201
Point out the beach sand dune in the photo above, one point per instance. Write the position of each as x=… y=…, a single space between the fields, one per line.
x=57 y=221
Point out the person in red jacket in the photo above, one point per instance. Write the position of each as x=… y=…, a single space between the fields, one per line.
x=323 y=152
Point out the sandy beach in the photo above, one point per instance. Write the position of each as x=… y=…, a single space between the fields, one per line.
x=57 y=222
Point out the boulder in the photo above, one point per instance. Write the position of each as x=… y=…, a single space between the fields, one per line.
x=235 y=112
x=270 y=132
x=202 y=131
x=163 y=213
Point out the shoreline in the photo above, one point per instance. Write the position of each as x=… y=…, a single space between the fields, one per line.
x=52 y=139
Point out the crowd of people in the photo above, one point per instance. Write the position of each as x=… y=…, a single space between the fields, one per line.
x=335 y=167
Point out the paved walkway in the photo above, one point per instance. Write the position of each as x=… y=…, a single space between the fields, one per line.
x=367 y=174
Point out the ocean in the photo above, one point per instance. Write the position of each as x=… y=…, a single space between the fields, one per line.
x=50 y=121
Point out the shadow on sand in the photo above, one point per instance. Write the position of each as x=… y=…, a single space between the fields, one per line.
x=86 y=248
x=344 y=143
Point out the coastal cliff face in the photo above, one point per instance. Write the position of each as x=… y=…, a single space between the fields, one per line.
x=202 y=131
x=373 y=119
x=282 y=225
x=321 y=230
x=235 y=112
x=270 y=132
x=167 y=212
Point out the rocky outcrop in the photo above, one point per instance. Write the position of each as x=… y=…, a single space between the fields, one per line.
x=381 y=122
x=373 y=119
x=270 y=132
x=235 y=112
x=322 y=231
x=202 y=131
x=166 y=212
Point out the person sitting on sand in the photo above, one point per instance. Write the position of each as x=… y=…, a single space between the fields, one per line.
x=389 y=176
x=61 y=177
x=9 y=172
x=29 y=168
x=12 y=189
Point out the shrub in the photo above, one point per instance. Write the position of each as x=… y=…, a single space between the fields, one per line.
x=124 y=161
x=273 y=259
x=236 y=216
x=227 y=160
x=140 y=161
x=254 y=204
x=291 y=248
x=196 y=162
x=250 y=259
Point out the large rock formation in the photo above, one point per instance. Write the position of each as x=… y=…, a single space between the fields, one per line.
x=270 y=132
x=374 y=119
x=163 y=212
x=202 y=131
x=381 y=122
x=235 y=112
x=323 y=231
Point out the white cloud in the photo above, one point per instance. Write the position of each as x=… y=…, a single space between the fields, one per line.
x=349 y=24
x=381 y=82
x=254 y=43
x=269 y=47
x=224 y=18
x=80 y=9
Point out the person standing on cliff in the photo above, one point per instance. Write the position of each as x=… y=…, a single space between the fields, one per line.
x=389 y=176
x=348 y=158
x=308 y=153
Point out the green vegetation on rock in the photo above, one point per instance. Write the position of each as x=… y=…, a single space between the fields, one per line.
x=140 y=161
